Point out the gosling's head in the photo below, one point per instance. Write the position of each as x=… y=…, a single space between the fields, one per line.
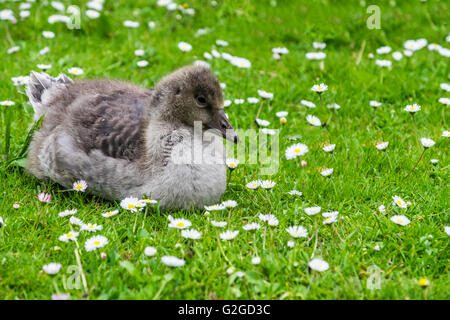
x=193 y=94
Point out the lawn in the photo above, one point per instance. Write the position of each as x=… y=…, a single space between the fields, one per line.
x=369 y=256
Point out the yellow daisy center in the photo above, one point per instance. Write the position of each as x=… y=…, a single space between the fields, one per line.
x=69 y=235
x=297 y=150
x=399 y=202
x=131 y=206
x=79 y=186
x=91 y=226
x=232 y=164
x=180 y=224
x=96 y=242
x=399 y=220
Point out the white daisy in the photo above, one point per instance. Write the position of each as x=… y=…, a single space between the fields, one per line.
x=401 y=220
x=297 y=232
x=227 y=103
x=282 y=114
x=316 y=55
x=76 y=71
x=142 y=63
x=374 y=103
x=326 y=172
x=376 y=248
x=295 y=150
x=150 y=251
x=382 y=145
x=280 y=50
x=445 y=86
x=256 y=260
x=222 y=43
x=179 y=223
x=251 y=226
x=382 y=209
x=151 y=24
x=148 y=200
x=317 y=264
x=383 y=63
x=330 y=217
x=271 y=132
x=427 y=143
x=334 y=106
x=434 y=161
x=252 y=100
x=44 y=50
x=191 y=234
x=397 y=55
x=67 y=212
x=319 y=45
x=74 y=220
x=232 y=163
x=69 y=236
x=2 y=223
x=219 y=224
x=272 y=221
x=80 y=185
x=239 y=101
x=229 y=203
x=290 y=244
x=184 y=46
x=7 y=103
x=44 y=66
x=132 y=204
x=295 y=193
x=313 y=120
x=267 y=184
x=447 y=230
x=207 y=55
x=95 y=242
x=228 y=235
x=172 y=261
x=400 y=202
x=13 y=49
x=110 y=213
x=262 y=123
x=312 y=210
x=308 y=104
x=48 y=34
x=319 y=88
x=215 y=207
x=445 y=101
x=265 y=94
x=52 y=268
x=412 y=108
x=407 y=53
x=92 y=14
x=446 y=134
x=92 y=227
x=240 y=62
x=384 y=50
x=329 y=148
x=253 y=184
x=131 y=24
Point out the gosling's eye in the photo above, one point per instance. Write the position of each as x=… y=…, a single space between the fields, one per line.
x=201 y=100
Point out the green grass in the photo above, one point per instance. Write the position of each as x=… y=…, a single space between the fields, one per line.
x=363 y=178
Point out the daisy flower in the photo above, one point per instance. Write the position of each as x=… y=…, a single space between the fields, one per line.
x=92 y=227
x=312 y=210
x=252 y=100
x=69 y=236
x=329 y=148
x=251 y=226
x=228 y=235
x=253 y=184
x=95 y=242
x=219 y=224
x=80 y=185
x=295 y=193
x=400 y=202
x=48 y=34
x=262 y=123
x=271 y=132
x=139 y=52
x=239 y=62
x=150 y=251
x=215 y=207
x=229 y=204
x=256 y=260
x=227 y=103
x=384 y=50
x=16 y=206
x=92 y=14
x=131 y=24
x=148 y=200
x=265 y=94
x=308 y=104
x=427 y=143
x=75 y=71
x=327 y=172
x=319 y=45
x=267 y=184
x=290 y=244
x=298 y=149
x=382 y=209
x=376 y=248
x=330 y=217
x=110 y=213
x=316 y=55
x=191 y=234
x=184 y=46
x=319 y=88
x=412 y=108
x=282 y=114
x=280 y=50
x=75 y=221
x=445 y=86
x=382 y=145
x=283 y=121
x=52 y=268
x=44 y=66
x=445 y=101
x=397 y=55
x=317 y=264
x=45 y=197
x=239 y=101
x=383 y=63
x=172 y=261
x=142 y=63
x=222 y=43
x=447 y=230
x=7 y=103
x=67 y=212
x=297 y=232
x=401 y=220
x=313 y=120
x=334 y=106
x=434 y=161
x=232 y=163
x=132 y=204
x=179 y=223
x=13 y=49
x=423 y=282
x=374 y=103
x=446 y=134
x=272 y=220
x=2 y=223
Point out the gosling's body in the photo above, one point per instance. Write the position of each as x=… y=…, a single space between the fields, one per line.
x=121 y=138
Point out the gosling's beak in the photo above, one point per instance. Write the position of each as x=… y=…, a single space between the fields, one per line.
x=221 y=123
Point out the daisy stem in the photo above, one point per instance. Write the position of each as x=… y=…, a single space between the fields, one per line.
x=80 y=267
x=334 y=186
x=135 y=222
x=259 y=110
x=389 y=159
x=316 y=237
x=415 y=129
x=223 y=252
x=335 y=230
x=320 y=96
x=417 y=163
